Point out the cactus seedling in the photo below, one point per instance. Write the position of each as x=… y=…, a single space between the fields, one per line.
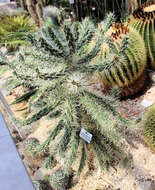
x=59 y=180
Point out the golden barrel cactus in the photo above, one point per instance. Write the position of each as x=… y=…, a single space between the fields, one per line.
x=128 y=73
x=143 y=20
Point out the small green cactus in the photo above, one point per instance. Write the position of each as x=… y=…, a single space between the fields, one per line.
x=143 y=20
x=59 y=180
x=30 y=146
x=149 y=127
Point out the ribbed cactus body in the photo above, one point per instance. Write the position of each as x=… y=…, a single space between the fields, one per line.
x=143 y=20
x=149 y=127
x=127 y=71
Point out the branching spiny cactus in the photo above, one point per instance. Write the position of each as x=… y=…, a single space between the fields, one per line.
x=127 y=71
x=143 y=20
x=54 y=65
x=149 y=127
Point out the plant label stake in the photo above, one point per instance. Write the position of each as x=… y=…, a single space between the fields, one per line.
x=85 y=135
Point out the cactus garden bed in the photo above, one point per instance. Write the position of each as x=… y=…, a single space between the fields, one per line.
x=78 y=100
x=139 y=174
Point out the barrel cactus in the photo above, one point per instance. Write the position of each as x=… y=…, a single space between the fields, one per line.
x=143 y=20
x=127 y=72
x=59 y=180
x=149 y=127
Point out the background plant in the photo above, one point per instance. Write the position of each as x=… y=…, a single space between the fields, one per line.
x=38 y=10
x=57 y=70
x=96 y=9
x=13 y=30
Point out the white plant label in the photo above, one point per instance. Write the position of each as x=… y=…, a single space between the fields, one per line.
x=85 y=135
x=146 y=103
x=71 y=1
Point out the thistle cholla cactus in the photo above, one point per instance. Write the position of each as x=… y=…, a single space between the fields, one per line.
x=56 y=68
